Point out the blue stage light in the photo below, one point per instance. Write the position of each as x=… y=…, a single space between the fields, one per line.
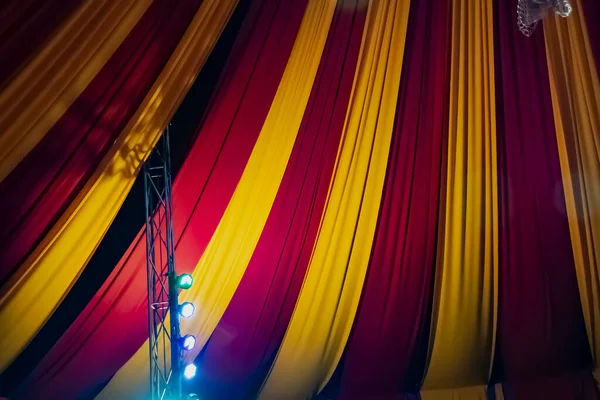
x=186 y=310
x=190 y=371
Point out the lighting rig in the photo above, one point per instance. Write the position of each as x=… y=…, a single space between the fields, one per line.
x=166 y=344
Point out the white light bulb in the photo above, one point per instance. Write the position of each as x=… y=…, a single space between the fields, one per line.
x=190 y=371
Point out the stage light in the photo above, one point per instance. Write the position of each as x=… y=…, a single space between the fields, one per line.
x=185 y=281
x=186 y=310
x=189 y=371
x=188 y=342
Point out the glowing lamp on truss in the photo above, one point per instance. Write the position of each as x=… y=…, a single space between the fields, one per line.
x=186 y=310
x=188 y=342
x=530 y=12
x=185 y=281
x=189 y=371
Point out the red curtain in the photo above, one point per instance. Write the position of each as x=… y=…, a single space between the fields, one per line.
x=541 y=330
x=388 y=346
x=240 y=351
x=201 y=193
x=575 y=386
x=590 y=9
x=24 y=26
x=43 y=185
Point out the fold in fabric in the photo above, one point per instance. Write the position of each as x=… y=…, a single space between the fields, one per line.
x=578 y=385
x=60 y=258
x=590 y=11
x=464 y=313
x=541 y=331
x=224 y=261
x=25 y=26
x=387 y=349
x=575 y=89
x=43 y=91
x=60 y=165
x=201 y=192
x=498 y=392
x=240 y=350
x=322 y=319
x=467 y=393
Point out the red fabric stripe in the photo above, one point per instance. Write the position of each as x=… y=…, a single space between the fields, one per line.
x=388 y=345
x=590 y=10
x=579 y=386
x=38 y=191
x=114 y=324
x=240 y=351
x=541 y=330
x=24 y=26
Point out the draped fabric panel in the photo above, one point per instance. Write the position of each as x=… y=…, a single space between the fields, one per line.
x=466 y=393
x=44 y=90
x=393 y=199
x=464 y=315
x=131 y=216
x=575 y=89
x=63 y=254
x=224 y=261
x=541 y=331
x=60 y=165
x=322 y=319
x=590 y=11
x=387 y=350
x=576 y=385
x=240 y=350
x=24 y=27
x=201 y=193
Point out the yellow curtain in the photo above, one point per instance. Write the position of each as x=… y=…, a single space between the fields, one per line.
x=467 y=393
x=576 y=103
x=327 y=304
x=60 y=258
x=41 y=93
x=464 y=314
x=224 y=261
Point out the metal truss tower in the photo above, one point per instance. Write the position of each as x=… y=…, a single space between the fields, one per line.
x=163 y=320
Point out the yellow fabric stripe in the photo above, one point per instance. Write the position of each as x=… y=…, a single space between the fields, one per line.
x=58 y=261
x=327 y=304
x=44 y=90
x=464 y=315
x=219 y=271
x=576 y=103
x=467 y=393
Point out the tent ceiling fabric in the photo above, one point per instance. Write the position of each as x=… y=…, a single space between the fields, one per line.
x=383 y=199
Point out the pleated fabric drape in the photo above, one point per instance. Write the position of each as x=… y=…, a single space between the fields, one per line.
x=225 y=259
x=64 y=252
x=384 y=199
x=574 y=385
x=464 y=313
x=242 y=346
x=322 y=319
x=201 y=193
x=590 y=10
x=33 y=101
x=575 y=89
x=387 y=350
x=477 y=392
x=62 y=162
x=541 y=331
x=25 y=26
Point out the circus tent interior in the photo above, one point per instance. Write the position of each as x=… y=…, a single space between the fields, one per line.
x=375 y=199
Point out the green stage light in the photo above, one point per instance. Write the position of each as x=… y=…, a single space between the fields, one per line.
x=185 y=281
